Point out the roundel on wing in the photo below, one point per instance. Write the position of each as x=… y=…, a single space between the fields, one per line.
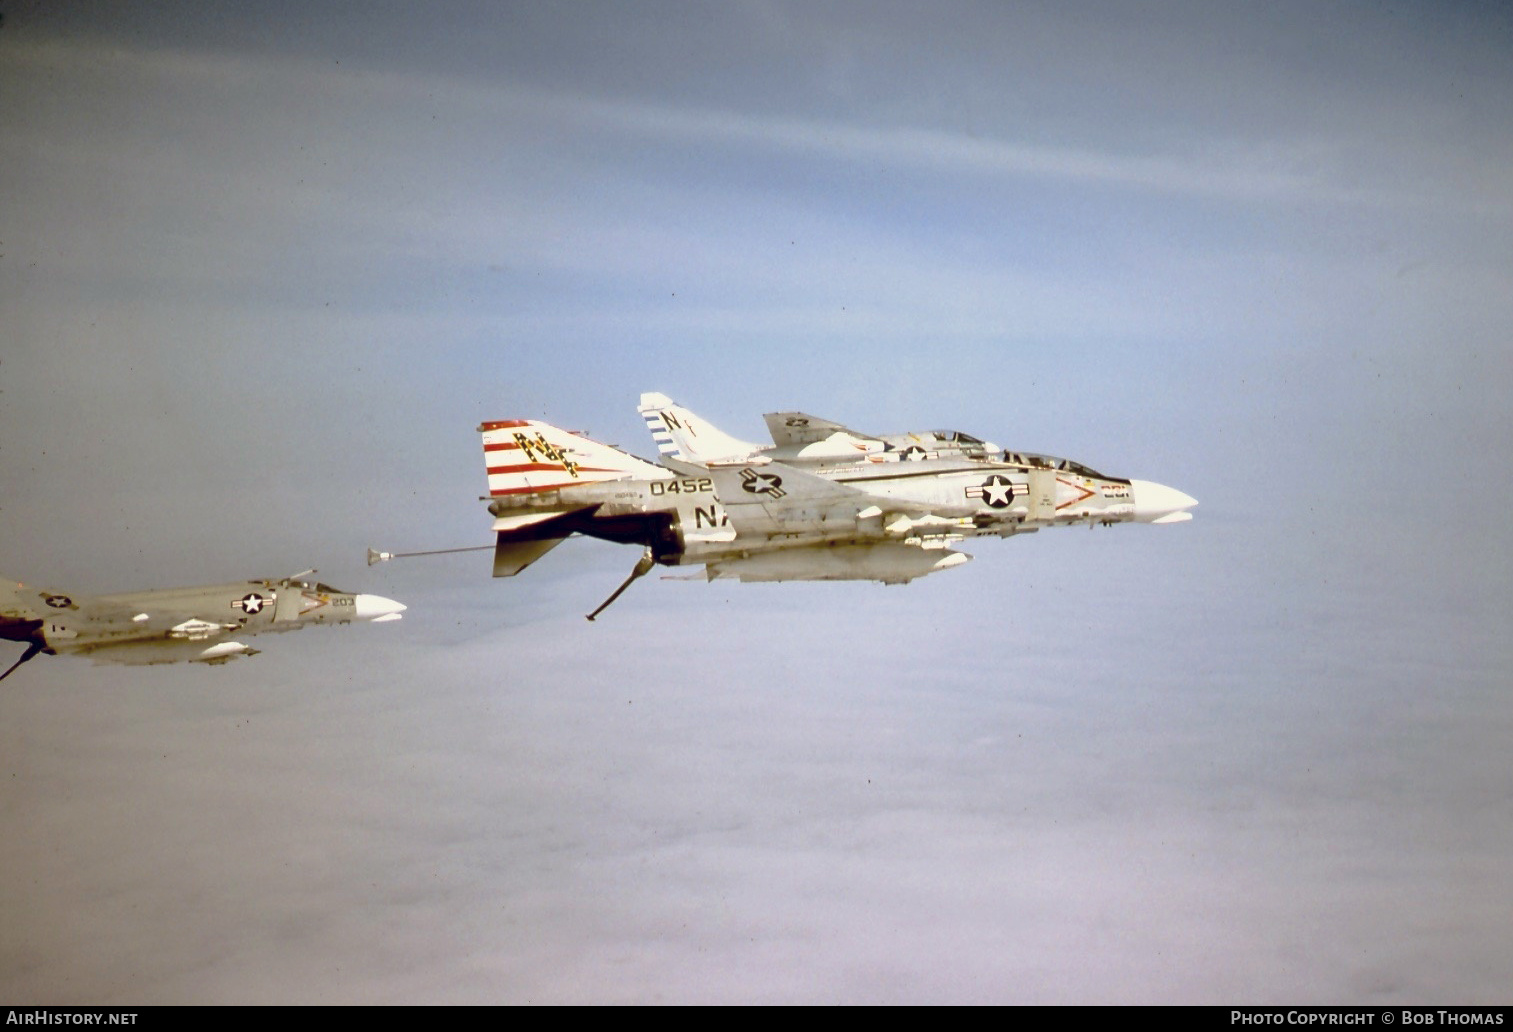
x=762 y=483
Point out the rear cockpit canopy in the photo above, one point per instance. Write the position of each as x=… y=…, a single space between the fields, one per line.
x=946 y=442
x=1034 y=461
x=301 y=584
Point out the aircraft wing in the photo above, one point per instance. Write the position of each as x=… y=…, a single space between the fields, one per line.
x=120 y=620
x=115 y=626
x=69 y=606
x=774 y=499
x=799 y=428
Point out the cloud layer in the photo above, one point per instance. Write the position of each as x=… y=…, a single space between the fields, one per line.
x=262 y=276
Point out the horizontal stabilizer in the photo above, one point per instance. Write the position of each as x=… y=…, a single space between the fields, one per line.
x=517 y=524
x=517 y=546
x=512 y=555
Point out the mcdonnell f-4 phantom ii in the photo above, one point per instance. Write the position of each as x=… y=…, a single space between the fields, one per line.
x=175 y=625
x=822 y=503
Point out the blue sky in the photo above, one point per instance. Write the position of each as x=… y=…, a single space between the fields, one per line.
x=263 y=271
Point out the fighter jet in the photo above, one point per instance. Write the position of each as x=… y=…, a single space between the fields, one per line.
x=175 y=625
x=733 y=508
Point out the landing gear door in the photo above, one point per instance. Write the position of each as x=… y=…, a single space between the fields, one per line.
x=1042 y=494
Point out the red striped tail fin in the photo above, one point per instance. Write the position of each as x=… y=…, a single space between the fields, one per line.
x=524 y=456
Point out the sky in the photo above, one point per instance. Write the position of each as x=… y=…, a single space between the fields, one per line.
x=264 y=268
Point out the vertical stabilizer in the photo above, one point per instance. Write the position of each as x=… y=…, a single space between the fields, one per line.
x=524 y=456
x=686 y=437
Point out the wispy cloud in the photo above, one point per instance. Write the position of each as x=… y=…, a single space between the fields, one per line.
x=255 y=295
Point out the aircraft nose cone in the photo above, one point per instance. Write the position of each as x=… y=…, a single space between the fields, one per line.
x=1157 y=503
x=376 y=607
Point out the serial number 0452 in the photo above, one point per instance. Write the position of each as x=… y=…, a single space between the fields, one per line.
x=667 y=487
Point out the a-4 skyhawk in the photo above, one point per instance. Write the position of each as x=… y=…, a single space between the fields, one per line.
x=823 y=514
x=175 y=625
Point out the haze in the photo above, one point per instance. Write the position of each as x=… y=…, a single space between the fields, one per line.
x=264 y=268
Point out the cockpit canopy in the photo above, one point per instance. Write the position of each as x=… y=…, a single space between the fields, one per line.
x=1034 y=461
x=956 y=437
x=923 y=443
x=944 y=442
x=302 y=584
